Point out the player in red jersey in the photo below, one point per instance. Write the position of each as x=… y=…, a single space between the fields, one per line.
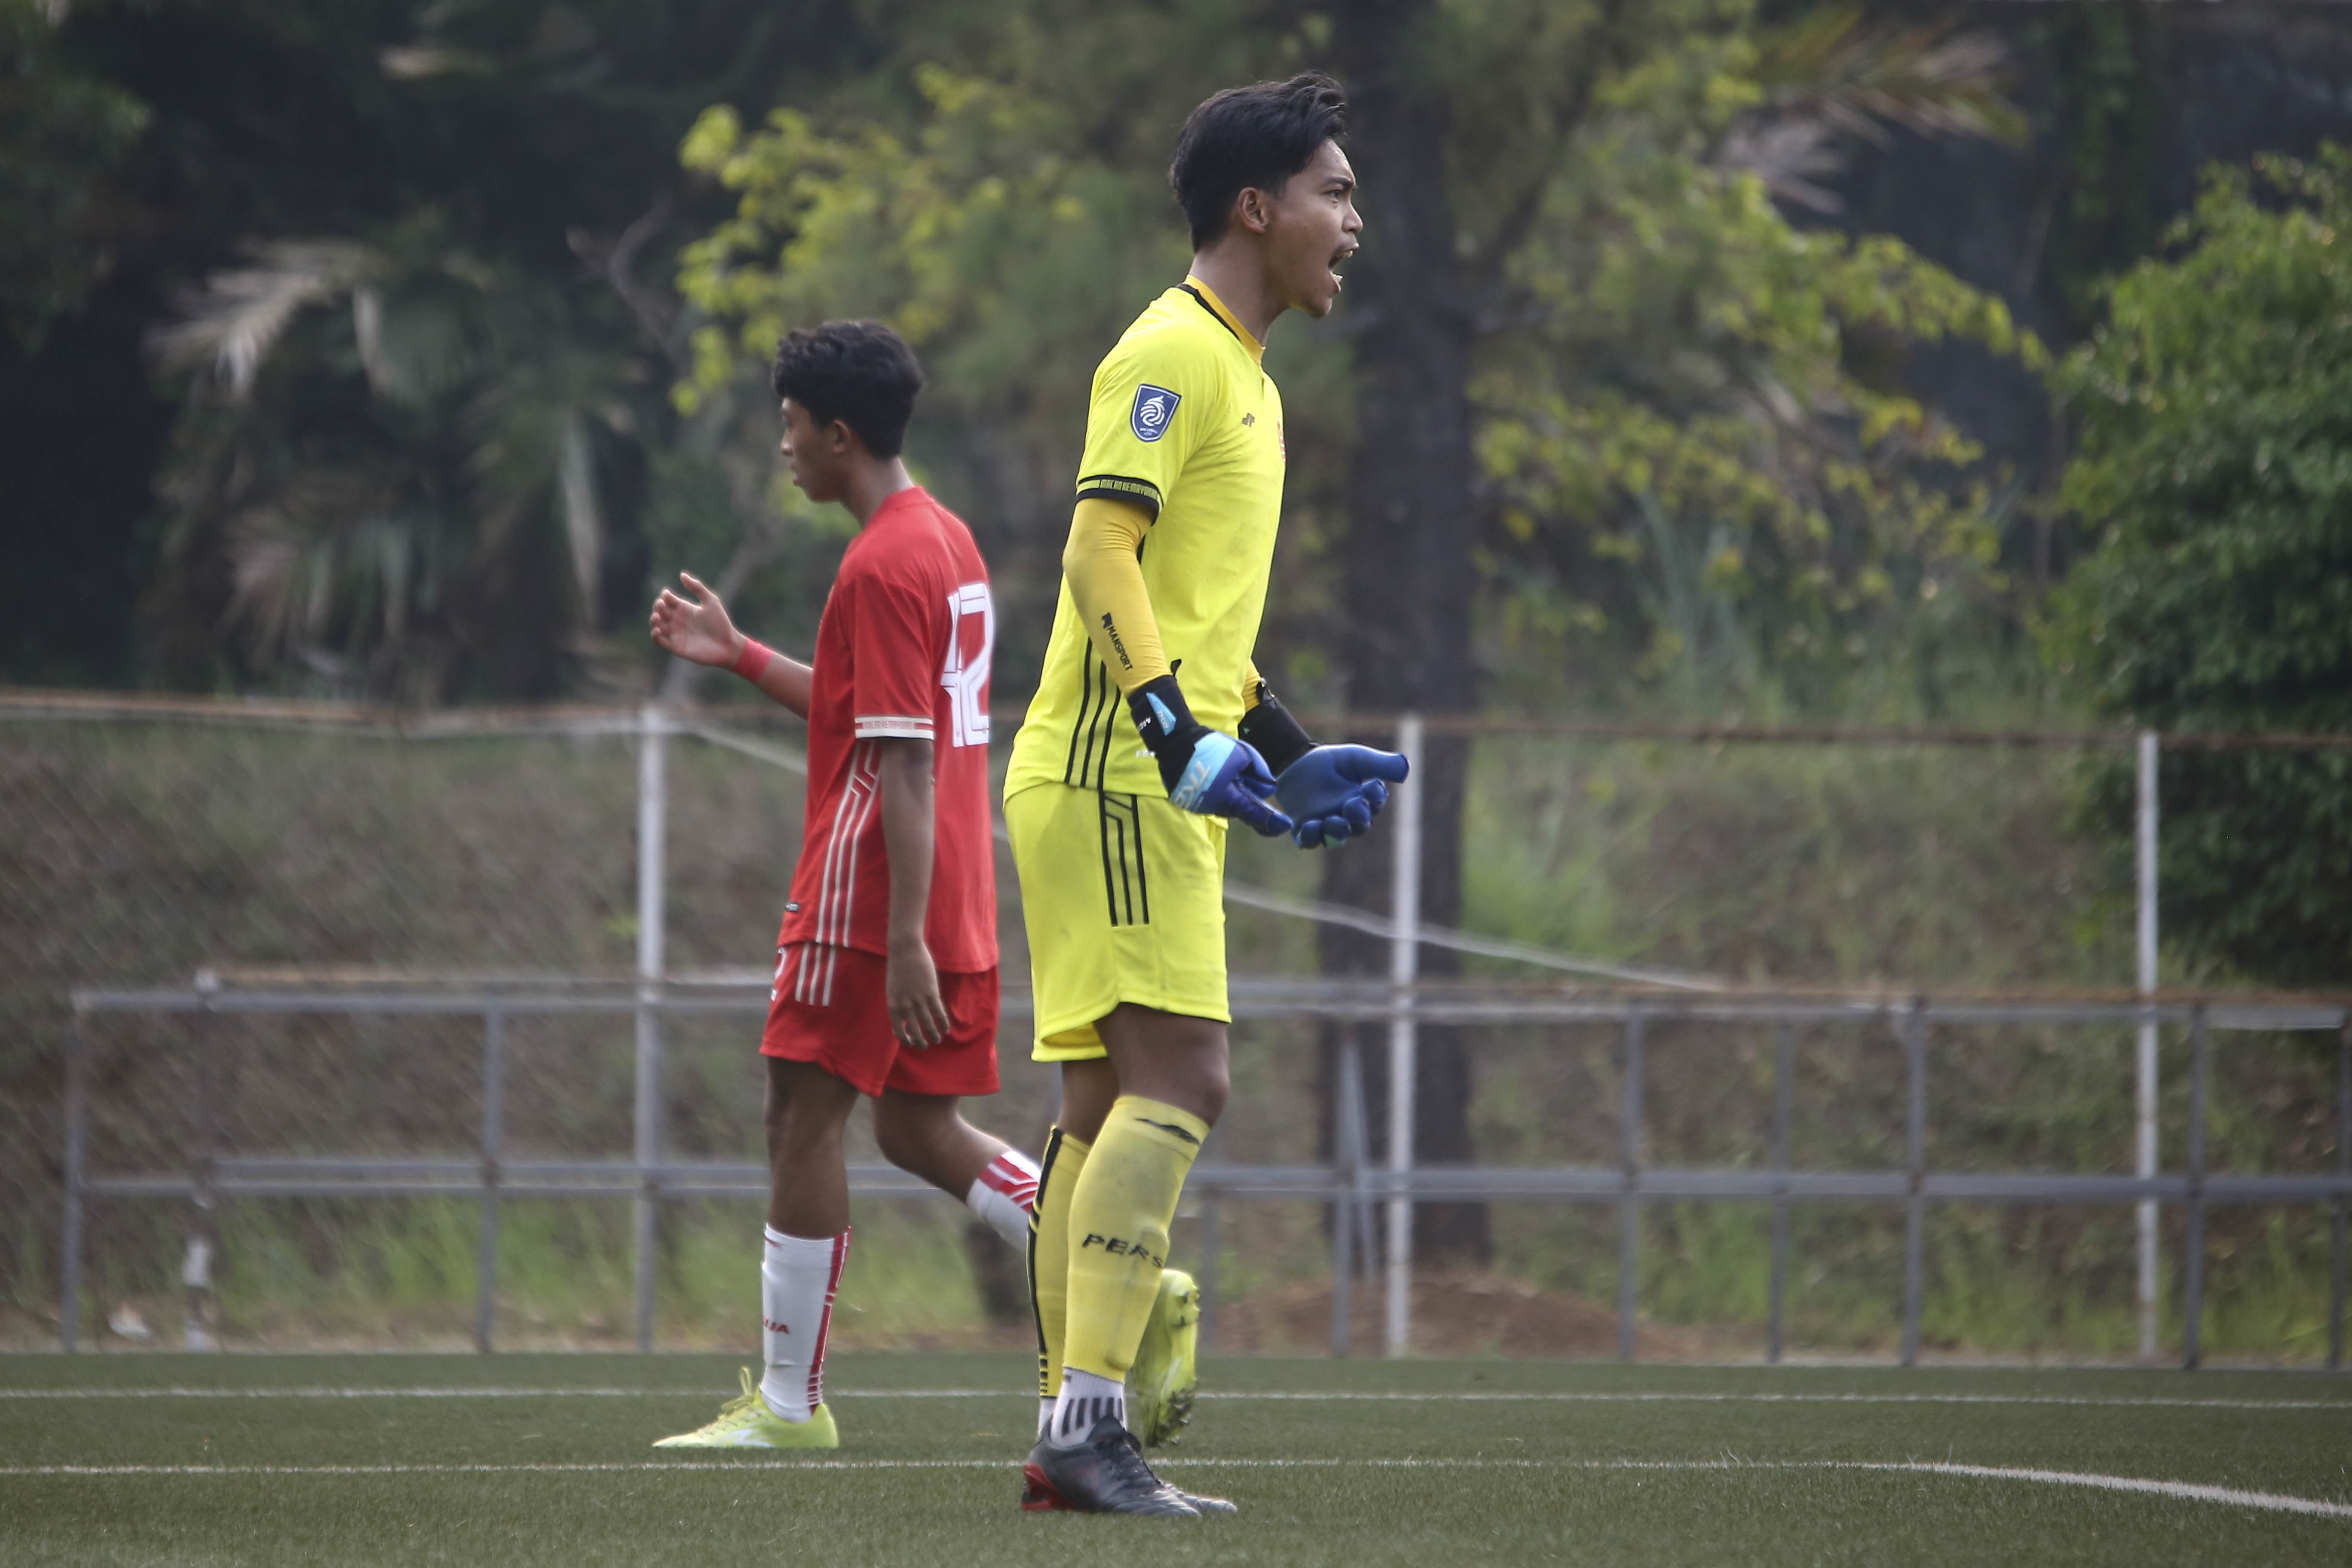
x=886 y=967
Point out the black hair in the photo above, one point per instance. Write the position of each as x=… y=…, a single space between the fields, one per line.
x=860 y=373
x=1252 y=137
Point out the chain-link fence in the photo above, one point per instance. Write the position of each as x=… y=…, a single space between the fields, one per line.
x=291 y=850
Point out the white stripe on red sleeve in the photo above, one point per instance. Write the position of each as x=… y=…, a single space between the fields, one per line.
x=894 y=726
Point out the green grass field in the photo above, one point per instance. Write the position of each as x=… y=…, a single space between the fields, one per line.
x=519 y=1459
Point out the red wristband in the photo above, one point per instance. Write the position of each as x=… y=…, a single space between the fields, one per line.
x=753 y=661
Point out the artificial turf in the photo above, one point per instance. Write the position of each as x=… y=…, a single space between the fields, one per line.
x=189 y=1460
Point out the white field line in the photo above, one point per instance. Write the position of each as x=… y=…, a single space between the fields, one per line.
x=2182 y=1491
x=1467 y=1397
x=1707 y=1397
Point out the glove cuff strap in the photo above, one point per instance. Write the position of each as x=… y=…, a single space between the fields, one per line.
x=1271 y=728
x=1161 y=713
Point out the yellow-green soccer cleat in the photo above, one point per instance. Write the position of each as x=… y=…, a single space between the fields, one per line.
x=747 y=1423
x=1160 y=1383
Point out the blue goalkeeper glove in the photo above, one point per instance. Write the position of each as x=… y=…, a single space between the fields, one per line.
x=1332 y=792
x=1205 y=772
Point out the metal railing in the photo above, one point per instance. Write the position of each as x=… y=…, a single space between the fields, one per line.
x=654 y=728
x=1351 y=1183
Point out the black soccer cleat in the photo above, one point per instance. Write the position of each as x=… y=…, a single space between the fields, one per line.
x=1037 y=1497
x=1205 y=1505
x=1105 y=1474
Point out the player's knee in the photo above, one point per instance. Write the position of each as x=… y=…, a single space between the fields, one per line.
x=1208 y=1072
x=904 y=1139
x=798 y=1129
x=775 y=1116
x=1212 y=1086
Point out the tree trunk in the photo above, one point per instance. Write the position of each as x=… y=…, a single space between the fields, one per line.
x=1408 y=572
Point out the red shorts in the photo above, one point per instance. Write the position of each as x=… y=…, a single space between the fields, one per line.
x=829 y=1007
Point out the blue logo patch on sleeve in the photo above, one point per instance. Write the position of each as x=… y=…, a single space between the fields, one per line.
x=1155 y=406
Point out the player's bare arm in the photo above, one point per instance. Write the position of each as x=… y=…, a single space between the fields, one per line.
x=895 y=819
x=918 y=1017
x=700 y=631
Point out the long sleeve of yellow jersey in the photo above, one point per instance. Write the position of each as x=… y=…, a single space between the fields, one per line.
x=1107 y=585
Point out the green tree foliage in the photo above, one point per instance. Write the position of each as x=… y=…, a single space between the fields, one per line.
x=997 y=190
x=425 y=448
x=987 y=234
x=945 y=231
x=1689 y=409
x=1695 y=423
x=2213 y=464
x=400 y=455
x=65 y=131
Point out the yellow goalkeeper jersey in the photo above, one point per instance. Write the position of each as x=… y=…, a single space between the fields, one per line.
x=1186 y=425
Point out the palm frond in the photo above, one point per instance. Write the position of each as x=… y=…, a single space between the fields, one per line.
x=1790 y=155
x=1829 y=79
x=413 y=62
x=332 y=564
x=584 y=513
x=370 y=534
x=233 y=323
x=1833 y=66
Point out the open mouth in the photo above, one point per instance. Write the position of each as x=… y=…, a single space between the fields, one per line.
x=1340 y=259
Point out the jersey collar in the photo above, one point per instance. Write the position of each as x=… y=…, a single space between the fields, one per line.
x=1217 y=307
x=896 y=500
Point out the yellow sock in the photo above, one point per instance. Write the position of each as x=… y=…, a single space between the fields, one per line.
x=1049 y=1253
x=1121 y=1209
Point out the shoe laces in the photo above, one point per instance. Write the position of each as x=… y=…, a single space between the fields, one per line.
x=1127 y=1465
x=743 y=1401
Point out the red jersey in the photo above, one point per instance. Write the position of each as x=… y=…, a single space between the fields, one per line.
x=902 y=649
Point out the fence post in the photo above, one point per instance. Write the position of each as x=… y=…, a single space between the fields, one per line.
x=494 y=1087
x=2339 y=1267
x=1364 y=1212
x=2144 y=1065
x=1629 y=1202
x=203 y=1233
x=653 y=810
x=1914 y=1207
x=1404 y=1040
x=2192 y=1332
x=1343 y=1196
x=1784 y=1072
x=76 y=1131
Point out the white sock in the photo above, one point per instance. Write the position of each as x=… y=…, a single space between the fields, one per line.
x=798 y=1276
x=1004 y=1194
x=1085 y=1399
x=1045 y=1417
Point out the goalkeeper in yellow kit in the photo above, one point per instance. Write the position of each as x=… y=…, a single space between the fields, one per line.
x=1150 y=727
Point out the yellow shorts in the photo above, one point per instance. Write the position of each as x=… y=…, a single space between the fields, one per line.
x=1124 y=898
